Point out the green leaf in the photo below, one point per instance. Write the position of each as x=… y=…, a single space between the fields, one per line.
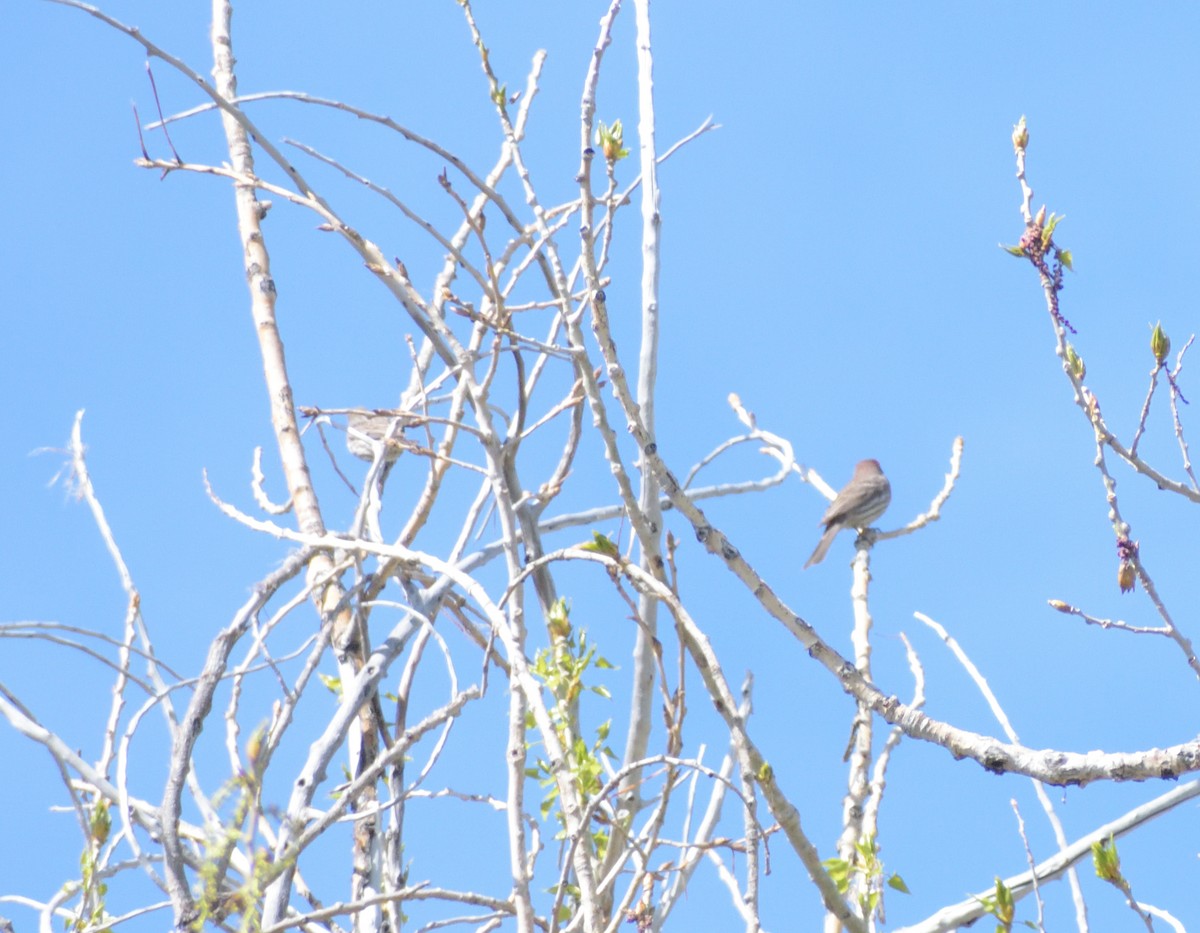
x=332 y=684
x=1064 y=256
x=601 y=544
x=1106 y=859
x=867 y=848
x=897 y=883
x=1013 y=250
x=839 y=873
x=1003 y=907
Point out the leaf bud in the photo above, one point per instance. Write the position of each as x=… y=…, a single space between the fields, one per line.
x=1126 y=576
x=1075 y=363
x=1160 y=343
x=101 y=822
x=1106 y=860
x=1020 y=136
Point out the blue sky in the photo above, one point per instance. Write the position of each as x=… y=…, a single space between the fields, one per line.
x=830 y=254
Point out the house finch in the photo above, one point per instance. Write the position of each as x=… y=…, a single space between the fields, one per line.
x=862 y=501
x=363 y=432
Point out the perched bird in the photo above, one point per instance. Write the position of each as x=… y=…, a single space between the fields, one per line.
x=364 y=431
x=863 y=500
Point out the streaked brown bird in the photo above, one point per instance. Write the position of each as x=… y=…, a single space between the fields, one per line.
x=364 y=432
x=863 y=500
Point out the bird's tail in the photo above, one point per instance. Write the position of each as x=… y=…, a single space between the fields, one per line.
x=823 y=545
